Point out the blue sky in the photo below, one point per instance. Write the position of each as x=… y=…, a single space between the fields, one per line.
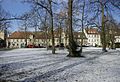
x=15 y=8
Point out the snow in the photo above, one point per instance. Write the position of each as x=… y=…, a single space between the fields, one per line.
x=39 y=65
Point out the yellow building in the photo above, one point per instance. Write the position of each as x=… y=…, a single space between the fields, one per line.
x=91 y=37
x=2 y=35
x=2 y=42
x=19 y=39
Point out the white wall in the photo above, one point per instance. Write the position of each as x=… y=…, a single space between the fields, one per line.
x=93 y=39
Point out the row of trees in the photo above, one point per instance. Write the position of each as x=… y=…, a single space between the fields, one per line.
x=69 y=15
x=102 y=8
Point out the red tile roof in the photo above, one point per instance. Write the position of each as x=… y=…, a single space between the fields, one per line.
x=92 y=31
x=20 y=35
x=39 y=35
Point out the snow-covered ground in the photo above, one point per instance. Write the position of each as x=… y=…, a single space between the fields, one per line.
x=39 y=65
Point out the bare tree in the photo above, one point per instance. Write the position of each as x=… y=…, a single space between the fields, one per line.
x=64 y=8
x=111 y=30
x=44 y=26
x=60 y=23
x=4 y=24
x=47 y=5
x=73 y=52
x=25 y=24
x=101 y=7
x=80 y=20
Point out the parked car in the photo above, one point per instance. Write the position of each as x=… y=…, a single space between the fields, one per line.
x=36 y=46
x=30 y=46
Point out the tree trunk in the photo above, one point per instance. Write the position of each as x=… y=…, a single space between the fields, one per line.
x=46 y=37
x=66 y=33
x=34 y=39
x=112 y=39
x=60 y=29
x=103 y=35
x=82 y=26
x=72 y=44
x=25 y=36
x=5 y=37
x=52 y=32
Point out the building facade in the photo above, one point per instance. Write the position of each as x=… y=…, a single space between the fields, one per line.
x=2 y=35
x=19 y=39
x=93 y=36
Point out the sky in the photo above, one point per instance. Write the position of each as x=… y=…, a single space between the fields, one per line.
x=16 y=8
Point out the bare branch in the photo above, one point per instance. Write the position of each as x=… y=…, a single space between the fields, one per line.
x=43 y=6
x=5 y=19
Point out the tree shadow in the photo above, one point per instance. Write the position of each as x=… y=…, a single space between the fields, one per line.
x=11 y=67
x=54 y=72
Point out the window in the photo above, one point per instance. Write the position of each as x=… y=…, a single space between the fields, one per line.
x=13 y=40
x=62 y=40
x=92 y=40
x=95 y=35
x=57 y=40
x=13 y=44
x=41 y=40
x=30 y=40
x=95 y=40
x=89 y=40
x=17 y=40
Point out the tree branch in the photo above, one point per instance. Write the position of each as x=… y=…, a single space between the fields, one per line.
x=4 y=19
x=43 y=6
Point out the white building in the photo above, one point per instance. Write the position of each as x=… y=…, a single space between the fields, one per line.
x=93 y=36
x=117 y=39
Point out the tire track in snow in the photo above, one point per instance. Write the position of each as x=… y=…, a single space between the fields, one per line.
x=34 y=69
x=56 y=71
